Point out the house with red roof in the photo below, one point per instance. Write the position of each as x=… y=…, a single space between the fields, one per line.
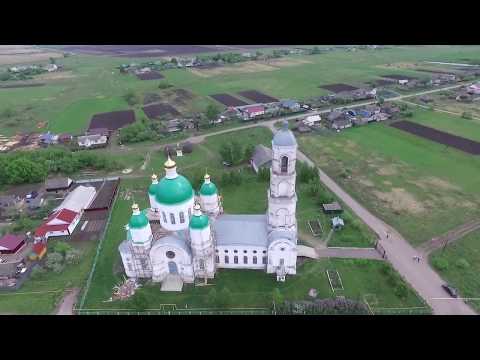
x=252 y=111
x=60 y=223
x=38 y=251
x=11 y=244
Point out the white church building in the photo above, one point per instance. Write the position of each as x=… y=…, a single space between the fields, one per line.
x=192 y=238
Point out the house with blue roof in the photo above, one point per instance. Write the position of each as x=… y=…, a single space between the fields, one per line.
x=291 y=105
x=48 y=138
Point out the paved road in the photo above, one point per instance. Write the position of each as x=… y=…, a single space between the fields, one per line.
x=68 y=302
x=400 y=254
x=349 y=253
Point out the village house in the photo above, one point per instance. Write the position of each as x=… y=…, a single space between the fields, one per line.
x=252 y=111
x=66 y=216
x=312 y=120
x=13 y=251
x=51 y=67
x=261 y=158
x=290 y=105
x=338 y=120
x=474 y=89
x=174 y=125
x=48 y=138
x=390 y=109
x=58 y=185
x=64 y=138
x=92 y=141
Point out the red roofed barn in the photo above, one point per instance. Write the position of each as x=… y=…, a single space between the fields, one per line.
x=60 y=223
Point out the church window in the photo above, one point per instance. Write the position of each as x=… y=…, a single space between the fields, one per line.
x=170 y=254
x=264 y=260
x=284 y=167
x=216 y=250
x=226 y=251
x=217 y=259
x=245 y=259
x=264 y=251
x=172 y=219
x=244 y=251
x=201 y=262
x=226 y=260
x=182 y=217
x=282 y=262
x=282 y=249
x=255 y=260
x=254 y=251
x=235 y=259
x=235 y=251
x=130 y=268
x=164 y=217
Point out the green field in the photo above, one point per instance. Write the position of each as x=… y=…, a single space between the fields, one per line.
x=417 y=186
x=91 y=78
x=459 y=265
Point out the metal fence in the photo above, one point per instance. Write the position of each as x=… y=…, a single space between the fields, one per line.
x=178 y=312
x=97 y=254
x=402 y=311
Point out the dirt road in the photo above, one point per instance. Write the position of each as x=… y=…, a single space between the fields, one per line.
x=68 y=302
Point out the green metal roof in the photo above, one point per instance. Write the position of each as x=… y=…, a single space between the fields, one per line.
x=138 y=221
x=208 y=189
x=152 y=189
x=174 y=191
x=199 y=222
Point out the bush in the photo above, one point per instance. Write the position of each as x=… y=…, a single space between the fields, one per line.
x=467 y=115
x=440 y=263
x=37 y=272
x=72 y=257
x=62 y=247
x=401 y=290
x=263 y=174
x=306 y=173
x=164 y=85
x=131 y=98
x=462 y=263
x=54 y=262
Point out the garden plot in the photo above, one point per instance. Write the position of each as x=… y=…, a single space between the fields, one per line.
x=151 y=75
x=335 y=280
x=112 y=120
x=457 y=142
x=159 y=110
x=257 y=96
x=338 y=88
x=228 y=100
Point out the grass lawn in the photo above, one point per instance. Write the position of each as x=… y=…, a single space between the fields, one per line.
x=76 y=116
x=452 y=124
x=40 y=295
x=459 y=265
x=417 y=186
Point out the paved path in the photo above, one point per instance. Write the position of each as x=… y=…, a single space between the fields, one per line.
x=400 y=253
x=349 y=253
x=68 y=302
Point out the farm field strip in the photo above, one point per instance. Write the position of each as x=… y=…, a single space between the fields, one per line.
x=228 y=100
x=441 y=137
x=257 y=96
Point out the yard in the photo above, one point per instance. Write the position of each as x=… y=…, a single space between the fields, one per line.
x=459 y=265
x=39 y=296
x=418 y=186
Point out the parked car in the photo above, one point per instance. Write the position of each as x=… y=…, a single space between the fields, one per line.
x=225 y=163
x=450 y=290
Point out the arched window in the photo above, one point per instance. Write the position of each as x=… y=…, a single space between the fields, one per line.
x=172 y=219
x=245 y=260
x=164 y=217
x=255 y=260
x=226 y=259
x=284 y=163
x=189 y=213
x=182 y=217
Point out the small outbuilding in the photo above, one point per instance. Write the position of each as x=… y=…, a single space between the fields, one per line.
x=261 y=158
x=332 y=208
x=337 y=223
x=58 y=184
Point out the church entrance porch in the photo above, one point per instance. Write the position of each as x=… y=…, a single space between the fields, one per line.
x=172 y=282
x=172 y=268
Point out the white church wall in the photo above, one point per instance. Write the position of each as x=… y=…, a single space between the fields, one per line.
x=142 y=236
x=248 y=252
x=209 y=203
x=153 y=203
x=160 y=262
x=169 y=211
x=285 y=250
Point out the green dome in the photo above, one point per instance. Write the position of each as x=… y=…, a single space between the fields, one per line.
x=199 y=222
x=138 y=221
x=208 y=189
x=152 y=189
x=174 y=191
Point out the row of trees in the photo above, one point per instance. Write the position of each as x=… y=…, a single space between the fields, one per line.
x=235 y=153
x=35 y=166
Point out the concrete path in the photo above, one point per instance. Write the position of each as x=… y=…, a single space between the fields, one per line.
x=172 y=283
x=349 y=253
x=307 y=251
x=68 y=302
x=400 y=253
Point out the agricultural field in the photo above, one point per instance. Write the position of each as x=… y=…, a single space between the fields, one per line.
x=459 y=265
x=90 y=82
x=420 y=187
x=442 y=101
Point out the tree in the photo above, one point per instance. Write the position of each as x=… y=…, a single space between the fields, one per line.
x=212 y=112
x=22 y=170
x=380 y=100
x=72 y=257
x=226 y=153
x=236 y=152
x=62 y=247
x=54 y=262
x=131 y=98
x=263 y=174
x=52 y=60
